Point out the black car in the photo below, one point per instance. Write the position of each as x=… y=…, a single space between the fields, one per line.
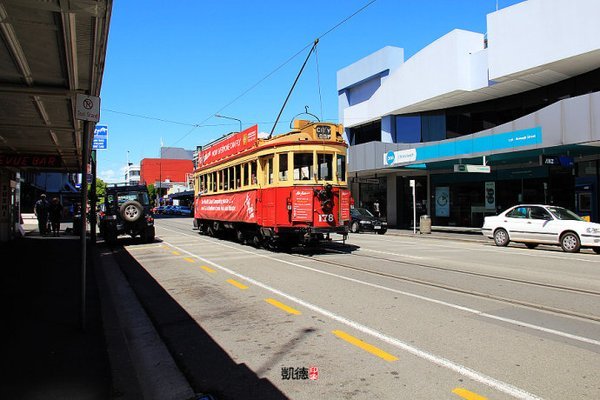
x=126 y=210
x=364 y=221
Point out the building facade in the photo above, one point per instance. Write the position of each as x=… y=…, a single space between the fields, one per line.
x=132 y=174
x=480 y=122
x=164 y=173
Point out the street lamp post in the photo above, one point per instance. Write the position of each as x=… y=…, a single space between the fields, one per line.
x=223 y=116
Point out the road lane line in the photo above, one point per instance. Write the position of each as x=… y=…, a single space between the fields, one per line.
x=207 y=269
x=237 y=284
x=365 y=346
x=176 y=253
x=451 y=365
x=468 y=395
x=285 y=308
x=190 y=260
x=428 y=299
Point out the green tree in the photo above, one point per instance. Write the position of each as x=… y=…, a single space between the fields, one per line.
x=100 y=190
x=151 y=191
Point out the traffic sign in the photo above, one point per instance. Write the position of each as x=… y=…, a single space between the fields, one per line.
x=87 y=108
x=100 y=141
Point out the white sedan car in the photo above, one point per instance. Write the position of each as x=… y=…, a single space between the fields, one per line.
x=535 y=224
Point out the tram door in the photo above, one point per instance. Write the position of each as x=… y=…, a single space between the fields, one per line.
x=586 y=202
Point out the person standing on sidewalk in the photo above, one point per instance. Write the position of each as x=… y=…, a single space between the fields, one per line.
x=41 y=210
x=55 y=213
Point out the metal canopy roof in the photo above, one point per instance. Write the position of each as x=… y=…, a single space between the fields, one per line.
x=50 y=50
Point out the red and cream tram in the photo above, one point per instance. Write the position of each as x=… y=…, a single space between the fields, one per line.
x=277 y=192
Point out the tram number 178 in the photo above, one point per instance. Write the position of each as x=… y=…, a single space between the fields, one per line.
x=325 y=217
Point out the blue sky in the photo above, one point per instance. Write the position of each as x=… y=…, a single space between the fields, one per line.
x=183 y=61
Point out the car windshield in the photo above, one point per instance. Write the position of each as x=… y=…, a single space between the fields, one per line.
x=564 y=214
x=363 y=212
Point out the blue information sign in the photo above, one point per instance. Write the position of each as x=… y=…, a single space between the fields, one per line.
x=100 y=141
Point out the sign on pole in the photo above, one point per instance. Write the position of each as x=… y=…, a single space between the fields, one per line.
x=87 y=107
x=100 y=141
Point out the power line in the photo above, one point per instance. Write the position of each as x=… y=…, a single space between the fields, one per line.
x=278 y=68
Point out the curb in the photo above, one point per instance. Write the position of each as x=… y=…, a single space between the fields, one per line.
x=129 y=329
x=474 y=238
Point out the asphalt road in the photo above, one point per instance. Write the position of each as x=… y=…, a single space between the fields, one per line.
x=383 y=317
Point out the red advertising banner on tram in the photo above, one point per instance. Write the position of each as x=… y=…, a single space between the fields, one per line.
x=235 y=207
x=344 y=205
x=230 y=145
x=302 y=204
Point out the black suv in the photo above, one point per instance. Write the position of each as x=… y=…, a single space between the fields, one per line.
x=126 y=210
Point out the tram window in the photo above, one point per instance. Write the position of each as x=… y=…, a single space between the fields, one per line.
x=214 y=181
x=283 y=167
x=244 y=175
x=325 y=162
x=231 y=179
x=341 y=168
x=253 y=180
x=270 y=170
x=238 y=175
x=221 y=179
x=303 y=166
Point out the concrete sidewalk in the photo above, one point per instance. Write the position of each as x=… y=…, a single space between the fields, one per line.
x=46 y=352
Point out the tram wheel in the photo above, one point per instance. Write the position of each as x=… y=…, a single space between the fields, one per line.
x=210 y=231
x=239 y=235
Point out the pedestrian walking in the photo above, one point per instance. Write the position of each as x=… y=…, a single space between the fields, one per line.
x=376 y=210
x=41 y=210
x=55 y=213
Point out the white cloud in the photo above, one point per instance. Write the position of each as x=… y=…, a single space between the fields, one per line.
x=107 y=175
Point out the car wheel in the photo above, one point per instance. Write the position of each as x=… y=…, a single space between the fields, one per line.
x=131 y=211
x=570 y=242
x=354 y=227
x=531 y=245
x=501 y=237
x=382 y=232
x=596 y=250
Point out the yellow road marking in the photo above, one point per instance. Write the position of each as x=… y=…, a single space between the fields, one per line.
x=468 y=395
x=283 y=306
x=237 y=284
x=204 y=267
x=190 y=260
x=365 y=346
x=176 y=253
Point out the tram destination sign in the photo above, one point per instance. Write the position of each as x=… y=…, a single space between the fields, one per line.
x=324 y=132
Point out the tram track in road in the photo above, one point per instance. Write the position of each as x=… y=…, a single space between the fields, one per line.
x=471 y=273
x=438 y=285
x=474 y=293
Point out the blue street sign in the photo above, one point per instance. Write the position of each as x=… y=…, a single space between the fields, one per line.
x=100 y=141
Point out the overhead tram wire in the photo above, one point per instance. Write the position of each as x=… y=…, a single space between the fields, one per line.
x=277 y=68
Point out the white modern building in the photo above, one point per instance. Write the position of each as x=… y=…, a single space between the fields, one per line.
x=519 y=105
x=132 y=174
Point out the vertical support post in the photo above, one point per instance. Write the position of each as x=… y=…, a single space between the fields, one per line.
x=414 y=201
x=93 y=201
x=84 y=197
x=429 y=193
